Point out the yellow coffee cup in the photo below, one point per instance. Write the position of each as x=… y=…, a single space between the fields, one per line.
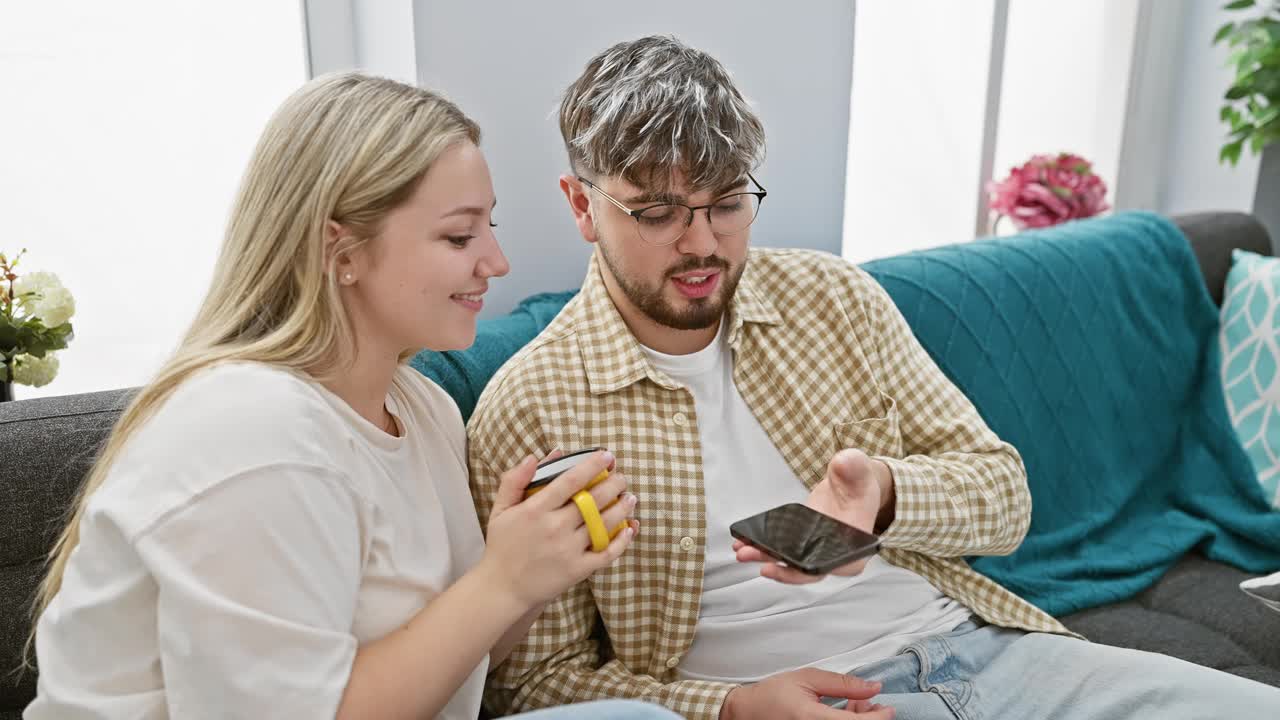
x=552 y=469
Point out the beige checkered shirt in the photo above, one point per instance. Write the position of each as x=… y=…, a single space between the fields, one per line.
x=825 y=361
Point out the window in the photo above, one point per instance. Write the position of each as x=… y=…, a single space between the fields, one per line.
x=126 y=129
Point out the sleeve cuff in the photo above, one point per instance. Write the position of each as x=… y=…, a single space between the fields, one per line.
x=918 y=503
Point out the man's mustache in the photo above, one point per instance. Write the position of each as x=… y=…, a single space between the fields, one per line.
x=712 y=263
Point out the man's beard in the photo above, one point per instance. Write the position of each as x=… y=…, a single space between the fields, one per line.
x=700 y=314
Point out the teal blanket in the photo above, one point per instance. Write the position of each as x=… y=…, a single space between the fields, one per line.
x=1092 y=348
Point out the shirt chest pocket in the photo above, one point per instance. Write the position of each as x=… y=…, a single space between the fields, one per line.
x=875 y=436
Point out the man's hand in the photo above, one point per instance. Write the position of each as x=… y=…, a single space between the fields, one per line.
x=795 y=695
x=857 y=490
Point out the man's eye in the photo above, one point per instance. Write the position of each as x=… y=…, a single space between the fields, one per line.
x=459 y=240
x=661 y=215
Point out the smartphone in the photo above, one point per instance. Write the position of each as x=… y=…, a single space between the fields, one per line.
x=551 y=469
x=805 y=539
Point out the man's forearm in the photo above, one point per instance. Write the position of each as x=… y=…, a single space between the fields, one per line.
x=965 y=504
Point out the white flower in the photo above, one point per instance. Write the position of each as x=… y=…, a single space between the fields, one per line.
x=36 y=282
x=34 y=371
x=56 y=307
x=42 y=295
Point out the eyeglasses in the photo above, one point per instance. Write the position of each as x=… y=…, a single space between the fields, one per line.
x=666 y=223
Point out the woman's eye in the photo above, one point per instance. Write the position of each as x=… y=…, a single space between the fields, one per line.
x=493 y=224
x=459 y=240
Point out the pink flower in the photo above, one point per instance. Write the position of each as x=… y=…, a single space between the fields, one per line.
x=1049 y=190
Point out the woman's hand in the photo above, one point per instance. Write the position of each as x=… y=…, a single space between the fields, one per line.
x=539 y=547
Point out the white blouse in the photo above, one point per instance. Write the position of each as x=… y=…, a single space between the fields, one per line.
x=251 y=536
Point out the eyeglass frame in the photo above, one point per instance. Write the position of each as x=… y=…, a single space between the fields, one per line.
x=637 y=212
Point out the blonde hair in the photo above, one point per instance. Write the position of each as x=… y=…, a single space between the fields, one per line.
x=344 y=147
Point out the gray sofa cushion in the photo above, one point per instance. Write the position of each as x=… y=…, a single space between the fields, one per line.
x=1196 y=612
x=47 y=446
x=1214 y=235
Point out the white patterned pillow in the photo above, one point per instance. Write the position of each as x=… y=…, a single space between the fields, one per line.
x=1250 y=343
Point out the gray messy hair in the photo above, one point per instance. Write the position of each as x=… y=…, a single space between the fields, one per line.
x=644 y=108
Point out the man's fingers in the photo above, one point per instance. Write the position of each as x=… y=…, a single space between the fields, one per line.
x=787 y=575
x=848 y=467
x=879 y=712
x=751 y=553
x=854 y=568
x=834 y=684
x=783 y=574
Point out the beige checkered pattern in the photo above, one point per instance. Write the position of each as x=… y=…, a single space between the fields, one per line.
x=825 y=361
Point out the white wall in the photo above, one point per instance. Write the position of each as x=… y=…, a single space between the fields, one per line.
x=125 y=129
x=791 y=61
x=375 y=36
x=1193 y=178
x=916 y=127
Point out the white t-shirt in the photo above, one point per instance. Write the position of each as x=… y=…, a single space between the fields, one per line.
x=750 y=627
x=250 y=537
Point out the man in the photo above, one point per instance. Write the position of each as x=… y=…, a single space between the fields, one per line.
x=728 y=381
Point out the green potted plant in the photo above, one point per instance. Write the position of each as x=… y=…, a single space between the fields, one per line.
x=1251 y=106
x=35 y=310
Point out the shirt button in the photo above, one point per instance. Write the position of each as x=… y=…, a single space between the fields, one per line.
x=673 y=661
x=679 y=419
x=686 y=544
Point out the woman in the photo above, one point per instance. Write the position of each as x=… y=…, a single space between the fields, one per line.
x=280 y=525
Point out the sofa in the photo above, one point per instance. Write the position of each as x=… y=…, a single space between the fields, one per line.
x=1195 y=611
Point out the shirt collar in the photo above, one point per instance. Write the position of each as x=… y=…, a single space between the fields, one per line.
x=612 y=356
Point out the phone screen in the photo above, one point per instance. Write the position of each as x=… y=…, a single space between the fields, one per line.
x=805 y=538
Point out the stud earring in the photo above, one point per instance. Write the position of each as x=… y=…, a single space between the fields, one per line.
x=347 y=277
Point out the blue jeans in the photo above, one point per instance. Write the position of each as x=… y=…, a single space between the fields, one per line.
x=991 y=672
x=603 y=710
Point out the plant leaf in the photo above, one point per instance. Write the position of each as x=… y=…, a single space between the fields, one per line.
x=1231 y=152
x=1238 y=5
x=8 y=336
x=1238 y=92
x=1223 y=31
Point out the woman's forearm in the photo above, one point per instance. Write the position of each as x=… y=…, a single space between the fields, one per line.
x=414 y=671
x=512 y=637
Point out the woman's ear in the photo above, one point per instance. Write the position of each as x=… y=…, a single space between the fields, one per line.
x=580 y=205
x=336 y=255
